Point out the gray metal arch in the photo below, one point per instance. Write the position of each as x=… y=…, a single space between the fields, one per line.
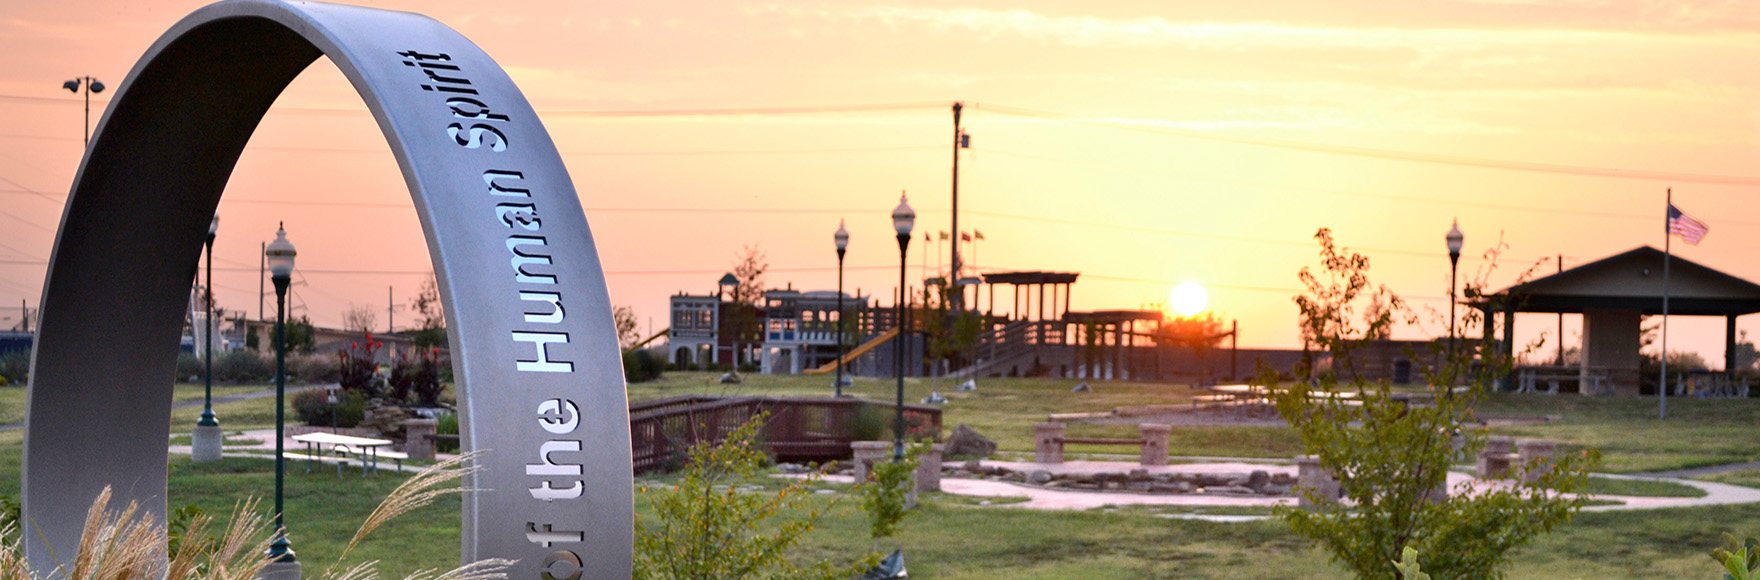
x=535 y=358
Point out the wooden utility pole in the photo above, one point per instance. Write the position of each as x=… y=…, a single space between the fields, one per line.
x=959 y=140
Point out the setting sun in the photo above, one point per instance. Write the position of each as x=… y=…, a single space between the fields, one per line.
x=1188 y=299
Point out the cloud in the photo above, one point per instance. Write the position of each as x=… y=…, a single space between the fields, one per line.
x=1155 y=31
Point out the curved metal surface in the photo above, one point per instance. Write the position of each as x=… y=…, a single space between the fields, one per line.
x=539 y=376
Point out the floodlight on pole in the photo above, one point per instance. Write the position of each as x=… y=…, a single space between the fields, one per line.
x=90 y=85
x=903 y=218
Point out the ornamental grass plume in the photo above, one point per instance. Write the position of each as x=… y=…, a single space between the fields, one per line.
x=129 y=543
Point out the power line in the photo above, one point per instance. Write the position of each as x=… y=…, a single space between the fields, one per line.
x=1388 y=154
x=605 y=113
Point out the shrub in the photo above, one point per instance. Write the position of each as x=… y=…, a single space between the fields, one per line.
x=1390 y=458
x=356 y=366
x=447 y=424
x=243 y=366
x=189 y=367
x=708 y=528
x=312 y=368
x=640 y=366
x=314 y=408
x=871 y=423
x=416 y=379
x=16 y=366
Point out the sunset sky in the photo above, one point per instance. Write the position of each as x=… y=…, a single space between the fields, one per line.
x=1142 y=144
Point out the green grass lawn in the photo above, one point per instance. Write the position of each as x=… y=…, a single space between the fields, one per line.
x=1640 y=488
x=954 y=537
x=12 y=398
x=1742 y=477
x=1698 y=432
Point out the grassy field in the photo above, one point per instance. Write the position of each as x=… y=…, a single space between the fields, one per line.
x=1625 y=429
x=955 y=537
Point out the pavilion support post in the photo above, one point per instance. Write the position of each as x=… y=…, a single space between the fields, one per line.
x=1509 y=346
x=1729 y=346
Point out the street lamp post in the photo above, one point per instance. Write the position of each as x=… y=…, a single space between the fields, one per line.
x=205 y=441
x=279 y=254
x=1454 y=238
x=842 y=237
x=902 y=220
x=90 y=85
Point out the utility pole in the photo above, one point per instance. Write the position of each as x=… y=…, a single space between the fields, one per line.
x=25 y=308
x=390 y=311
x=959 y=140
x=262 y=268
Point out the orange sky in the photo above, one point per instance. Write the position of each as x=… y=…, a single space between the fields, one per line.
x=1195 y=141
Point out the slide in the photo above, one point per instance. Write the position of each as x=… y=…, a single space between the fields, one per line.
x=645 y=342
x=855 y=352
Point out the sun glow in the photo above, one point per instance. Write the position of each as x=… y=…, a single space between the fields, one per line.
x=1188 y=299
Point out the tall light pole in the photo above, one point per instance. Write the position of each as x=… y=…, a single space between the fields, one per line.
x=902 y=220
x=1454 y=239
x=842 y=238
x=279 y=254
x=90 y=85
x=205 y=441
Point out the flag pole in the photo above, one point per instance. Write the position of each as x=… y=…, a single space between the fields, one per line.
x=1667 y=239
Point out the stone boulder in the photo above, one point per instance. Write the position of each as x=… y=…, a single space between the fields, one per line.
x=966 y=442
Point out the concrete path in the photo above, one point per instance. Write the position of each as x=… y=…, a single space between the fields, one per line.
x=1060 y=499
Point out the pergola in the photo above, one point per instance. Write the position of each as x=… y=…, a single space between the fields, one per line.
x=1613 y=294
x=1024 y=283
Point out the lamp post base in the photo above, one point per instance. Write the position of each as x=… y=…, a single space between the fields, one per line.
x=289 y=570
x=205 y=443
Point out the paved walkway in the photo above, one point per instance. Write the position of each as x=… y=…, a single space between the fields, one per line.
x=1061 y=499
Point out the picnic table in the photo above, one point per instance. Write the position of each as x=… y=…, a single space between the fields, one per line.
x=366 y=449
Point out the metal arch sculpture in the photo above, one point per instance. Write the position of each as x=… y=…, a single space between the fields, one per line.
x=535 y=357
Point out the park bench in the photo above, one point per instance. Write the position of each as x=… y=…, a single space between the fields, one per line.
x=1049 y=441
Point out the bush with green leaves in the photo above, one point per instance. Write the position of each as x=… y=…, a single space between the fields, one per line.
x=886 y=494
x=1391 y=455
x=642 y=365
x=1740 y=558
x=243 y=366
x=190 y=367
x=416 y=379
x=312 y=369
x=708 y=525
x=446 y=424
x=314 y=408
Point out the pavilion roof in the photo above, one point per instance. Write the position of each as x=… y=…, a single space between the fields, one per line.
x=1632 y=280
x=1030 y=278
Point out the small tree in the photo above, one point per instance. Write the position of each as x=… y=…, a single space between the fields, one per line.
x=430 y=328
x=708 y=527
x=624 y=318
x=361 y=319
x=1390 y=457
x=746 y=301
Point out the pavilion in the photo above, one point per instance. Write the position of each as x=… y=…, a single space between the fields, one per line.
x=1613 y=295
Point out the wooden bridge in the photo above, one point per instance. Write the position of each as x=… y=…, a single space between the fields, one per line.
x=798 y=429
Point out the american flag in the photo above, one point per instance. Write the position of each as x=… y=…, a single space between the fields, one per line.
x=1690 y=230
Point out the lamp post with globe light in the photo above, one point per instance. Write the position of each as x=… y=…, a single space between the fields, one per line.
x=279 y=254
x=1454 y=239
x=205 y=441
x=842 y=238
x=902 y=220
